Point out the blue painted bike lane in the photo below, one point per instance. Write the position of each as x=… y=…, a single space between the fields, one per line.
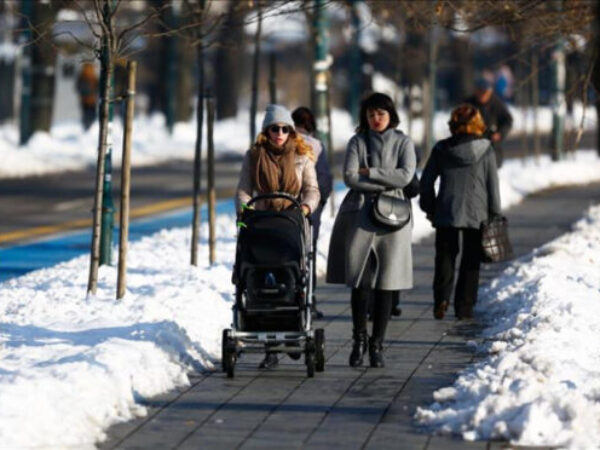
x=20 y=259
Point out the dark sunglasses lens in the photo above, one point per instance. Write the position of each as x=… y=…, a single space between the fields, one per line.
x=276 y=128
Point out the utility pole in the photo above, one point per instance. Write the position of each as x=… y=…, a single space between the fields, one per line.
x=25 y=39
x=321 y=66
x=108 y=208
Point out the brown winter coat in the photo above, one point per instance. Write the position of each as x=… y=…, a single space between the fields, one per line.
x=304 y=168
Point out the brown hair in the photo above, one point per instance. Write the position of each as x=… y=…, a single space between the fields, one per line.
x=466 y=119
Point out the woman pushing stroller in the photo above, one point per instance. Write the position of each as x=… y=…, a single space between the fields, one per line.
x=279 y=161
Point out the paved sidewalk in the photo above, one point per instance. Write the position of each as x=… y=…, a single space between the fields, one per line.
x=344 y=407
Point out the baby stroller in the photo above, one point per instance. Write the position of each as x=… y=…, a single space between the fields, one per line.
x=273 y=288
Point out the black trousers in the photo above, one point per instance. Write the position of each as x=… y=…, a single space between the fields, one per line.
x=446 y=251
x=382 y=307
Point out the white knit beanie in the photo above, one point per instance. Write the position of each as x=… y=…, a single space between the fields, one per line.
x=277 y=114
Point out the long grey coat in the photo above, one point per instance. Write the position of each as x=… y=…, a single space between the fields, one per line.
x=355 y=236
x=469 y=192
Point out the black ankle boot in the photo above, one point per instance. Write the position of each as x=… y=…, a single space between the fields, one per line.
x=376 y=353
x=359 y=347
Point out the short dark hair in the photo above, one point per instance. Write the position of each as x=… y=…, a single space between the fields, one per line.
x=377 y=100
x=303 y=117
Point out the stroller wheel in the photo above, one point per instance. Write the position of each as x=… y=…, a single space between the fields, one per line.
x=228 y=354
x=310 y=358
x=320 y=349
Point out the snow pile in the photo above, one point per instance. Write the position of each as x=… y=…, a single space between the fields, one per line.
x=67 y=147
x=70 y=366
x=83 y=364
x=540 y=383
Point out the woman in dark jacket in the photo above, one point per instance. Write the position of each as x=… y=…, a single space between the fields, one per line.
x=305 y=124
x=468 y=195
x=371 y=259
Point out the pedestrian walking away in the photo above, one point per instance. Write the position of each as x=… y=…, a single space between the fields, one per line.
x=304 y=122
x=468 y=196
x=279 y=161
x=498 y=120
x=367 y=256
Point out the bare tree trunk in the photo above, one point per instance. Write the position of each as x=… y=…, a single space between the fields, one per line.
x=595 y=78
x=126 y=181
x=107 y=69
x=198 y=156
x=272 y=77
x=43 y=67
x=255 y=70
x=212 y=197
x=535 y=94
x=228 y=63
x=183 y=86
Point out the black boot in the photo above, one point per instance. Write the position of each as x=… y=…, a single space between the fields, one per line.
x=359 y=347
x=269 y=362
x=376 y=353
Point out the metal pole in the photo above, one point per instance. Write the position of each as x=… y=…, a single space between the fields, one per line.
x=212 y=197
x=108 y=208
x=25 y=39
x=126 y=180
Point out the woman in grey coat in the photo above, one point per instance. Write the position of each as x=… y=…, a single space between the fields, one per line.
x=468 y=195
x=372 y=260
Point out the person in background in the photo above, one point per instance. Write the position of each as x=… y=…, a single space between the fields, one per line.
x=279 y=161
x=372 y=259
x=87 y=88
x=498 y=120
x=304 y=121
x=468 y=195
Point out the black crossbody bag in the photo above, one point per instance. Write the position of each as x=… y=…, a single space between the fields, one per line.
x=387 y=210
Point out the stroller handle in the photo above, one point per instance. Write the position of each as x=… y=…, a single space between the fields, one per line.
x=284 y=195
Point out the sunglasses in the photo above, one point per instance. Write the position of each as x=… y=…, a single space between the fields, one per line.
x=276 y=128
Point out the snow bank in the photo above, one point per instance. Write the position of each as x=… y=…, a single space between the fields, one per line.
x=71 y=366
x=67 y=147
x=83 y=364
x=540 y=383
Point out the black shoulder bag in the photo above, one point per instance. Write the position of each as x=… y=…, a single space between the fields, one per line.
x=387 y=210
x=495 y=244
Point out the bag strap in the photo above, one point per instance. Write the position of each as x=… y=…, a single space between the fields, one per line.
x=368 y=146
